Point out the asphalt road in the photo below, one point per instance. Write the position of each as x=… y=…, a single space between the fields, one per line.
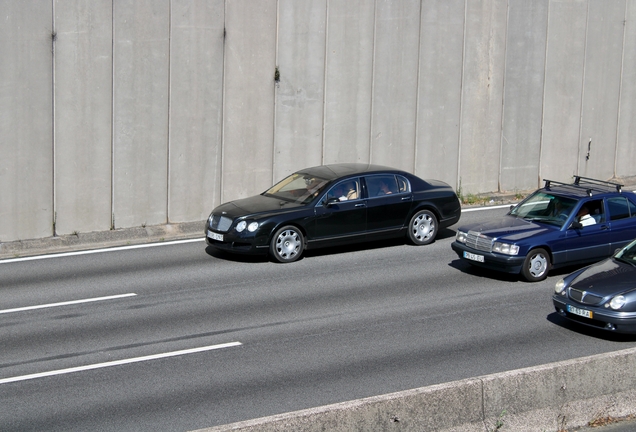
x=179 y=337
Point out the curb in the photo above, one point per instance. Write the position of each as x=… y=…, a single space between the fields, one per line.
x=102 y=239
x=551 y=397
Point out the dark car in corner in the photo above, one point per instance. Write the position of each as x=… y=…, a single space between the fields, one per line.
x=602 y=295
x=331 y=205
x=560 y=224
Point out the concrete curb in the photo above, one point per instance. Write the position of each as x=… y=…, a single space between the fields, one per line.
x=552 y=397
x=102 y=239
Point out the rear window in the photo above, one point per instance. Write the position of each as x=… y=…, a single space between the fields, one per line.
x=620 y=208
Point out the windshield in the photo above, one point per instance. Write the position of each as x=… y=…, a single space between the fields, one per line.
x=545 y=207
x=627 y=254
x=298 y=188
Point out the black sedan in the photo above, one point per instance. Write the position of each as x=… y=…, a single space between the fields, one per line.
x=333 y=205
x=602 y=295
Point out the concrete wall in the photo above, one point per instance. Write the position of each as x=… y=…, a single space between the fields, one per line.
x=127 y=113
x=553 y=397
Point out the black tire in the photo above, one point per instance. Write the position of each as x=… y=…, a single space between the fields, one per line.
x=287 y=244
x=536 y=265
x=422 y=228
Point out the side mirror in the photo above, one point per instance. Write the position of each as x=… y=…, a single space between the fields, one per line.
x=576 y=225
x=332 y=201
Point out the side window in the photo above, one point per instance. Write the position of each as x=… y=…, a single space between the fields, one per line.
x=591 y=213
x=619 y=208
x=344 y=191
x=403 y=184
x=380 y=185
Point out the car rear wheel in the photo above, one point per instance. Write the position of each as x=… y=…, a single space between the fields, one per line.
x=536 y=265
x=423 y=227
x=287 y=244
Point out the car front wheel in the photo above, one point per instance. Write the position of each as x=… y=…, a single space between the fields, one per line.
x=423 y=227
x=287 y=244
x=536 y=265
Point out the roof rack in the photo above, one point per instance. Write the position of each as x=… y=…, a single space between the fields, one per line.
x=590 y=184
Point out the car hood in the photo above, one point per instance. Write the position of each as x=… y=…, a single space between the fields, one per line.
x=510 y=227
x=606 y=277
x=254 y=205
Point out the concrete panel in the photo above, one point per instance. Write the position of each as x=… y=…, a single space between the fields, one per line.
x=482 y=94
x=523 y=95
x=440 y=82
x=300 y=91
x=83 y=115
x=141 y=50
x=626 y=145
x=196 y=108
x=26 y=120
x=395 y=78
x=349 y=81
x=604 y=52
x=563 y=89
x=250 y=66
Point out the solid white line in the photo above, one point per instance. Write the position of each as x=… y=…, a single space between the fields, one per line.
x=66 y=303
x=118 y=362
x=487 y=208
x=93 y=251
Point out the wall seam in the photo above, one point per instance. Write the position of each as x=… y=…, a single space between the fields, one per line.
x=276 y=84
x=223 y=90
x=324 y=84
x=545 y=74
x=587 y=28
x=375 y=23
x=458 y=186
x=502 y=137
x=53 y=123
x=112 y=121
x=168 y=116
x=417 y=93
x=620 y=89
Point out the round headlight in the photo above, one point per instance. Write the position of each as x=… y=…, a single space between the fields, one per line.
x=252 y=226
x=559 y=288
x=241 y=226
x=617 y=302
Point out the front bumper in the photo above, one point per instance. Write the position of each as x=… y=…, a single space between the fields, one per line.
x=604 y=319
x=492 y=261
x=234 y=242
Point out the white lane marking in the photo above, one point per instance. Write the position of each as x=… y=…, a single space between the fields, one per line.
x=66 y=303
x=487 y=208
x=118 y=362
x=93 y=251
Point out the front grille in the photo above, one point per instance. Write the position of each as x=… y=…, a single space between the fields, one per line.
x=479 y=241
x=221 y=223
x=585 y=297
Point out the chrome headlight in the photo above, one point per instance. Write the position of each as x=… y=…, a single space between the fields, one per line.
x=241 y=226
x=617 y=302
x=252 y=226
x=460 y=237
x=505 y=248
x=559 y=288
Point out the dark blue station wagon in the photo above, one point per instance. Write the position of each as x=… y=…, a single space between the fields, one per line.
x=560 y=224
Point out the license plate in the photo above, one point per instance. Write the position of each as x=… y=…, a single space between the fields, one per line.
x=473 y=257
x=215 y=236
x=580 y=312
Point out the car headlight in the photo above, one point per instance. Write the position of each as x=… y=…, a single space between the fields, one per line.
x=617 y=302
x=505 y=248
x=559 y=288
x=252 y=226
x=460 y=237
x=241 y=226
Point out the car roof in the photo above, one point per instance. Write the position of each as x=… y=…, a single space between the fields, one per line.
x=334 y=171
x=582 y=187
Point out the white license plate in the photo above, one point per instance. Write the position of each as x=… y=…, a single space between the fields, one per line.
x=215 y=236
x=473 y=257
x=580 y=312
